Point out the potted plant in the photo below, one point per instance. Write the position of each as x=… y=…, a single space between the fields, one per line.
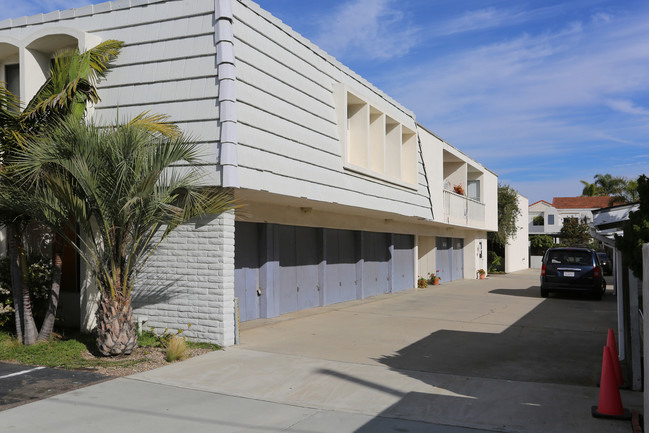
x=457 y=189
x=434 y=279
x=422 y=282
x=481 y=274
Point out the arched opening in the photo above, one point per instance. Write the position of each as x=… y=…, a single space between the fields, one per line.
x=37 y=58
x=10 y=66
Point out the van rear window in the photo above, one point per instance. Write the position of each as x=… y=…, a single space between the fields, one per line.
x=569 y=258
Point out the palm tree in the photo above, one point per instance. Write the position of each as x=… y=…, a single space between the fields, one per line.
x=609 y=185
x=629 y=194
x=119 y=184
x=67 y=91
x=604 y=185
x=590 y=189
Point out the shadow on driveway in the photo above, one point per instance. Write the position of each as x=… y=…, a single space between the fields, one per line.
x=560 y=341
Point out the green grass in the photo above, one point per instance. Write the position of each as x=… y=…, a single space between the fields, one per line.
x=62 y=353
x=66 y=352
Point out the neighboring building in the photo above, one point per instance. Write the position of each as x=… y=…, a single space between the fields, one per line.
x=517 y=249
x=347 y=195
x=547 y=219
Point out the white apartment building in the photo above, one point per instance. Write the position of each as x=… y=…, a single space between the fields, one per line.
x=346 y=195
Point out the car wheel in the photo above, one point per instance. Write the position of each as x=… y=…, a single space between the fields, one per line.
x=544 y=292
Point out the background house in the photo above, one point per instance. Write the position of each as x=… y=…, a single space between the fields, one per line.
x=547 y=218
x=346 y=195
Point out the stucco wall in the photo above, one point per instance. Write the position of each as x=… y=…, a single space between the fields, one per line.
x=517 y=250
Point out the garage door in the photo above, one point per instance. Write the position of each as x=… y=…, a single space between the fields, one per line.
x=341 y=266
x=298 y=268
x=403 y=262
x=458 y=259
x=450 y=258
x=444 y=258
x=246 y=269
x=376 y=255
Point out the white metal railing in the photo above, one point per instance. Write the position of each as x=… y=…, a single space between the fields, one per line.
x=461 y=210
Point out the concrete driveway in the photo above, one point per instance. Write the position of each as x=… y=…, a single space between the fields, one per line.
x=486 y=355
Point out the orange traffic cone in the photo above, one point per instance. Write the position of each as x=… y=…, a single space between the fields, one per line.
x=610 y=401
x=610 y=342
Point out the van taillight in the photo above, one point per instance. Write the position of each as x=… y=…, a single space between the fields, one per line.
x=543 y=271
x=596 y=272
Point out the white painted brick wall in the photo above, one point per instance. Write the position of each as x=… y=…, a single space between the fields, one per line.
x=190 y=279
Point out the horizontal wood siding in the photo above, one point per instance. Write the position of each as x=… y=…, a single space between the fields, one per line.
x=288 y=126
x=167 y=66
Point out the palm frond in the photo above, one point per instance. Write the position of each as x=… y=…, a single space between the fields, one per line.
x=120 y=184
x=155 y=123
x=73 y=79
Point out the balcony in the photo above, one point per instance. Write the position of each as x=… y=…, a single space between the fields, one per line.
x=534 y=229
x=461 y=210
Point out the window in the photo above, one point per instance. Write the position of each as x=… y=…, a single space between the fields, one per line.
x=538 y=220
x=473 y=189
x=12 y=77
x=551 y=220
x=379 y=145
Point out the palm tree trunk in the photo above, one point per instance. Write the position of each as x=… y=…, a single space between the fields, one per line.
x=52 y=305
x=16 y=279
x=30 y=332
x=26 y=330
x=116 y=332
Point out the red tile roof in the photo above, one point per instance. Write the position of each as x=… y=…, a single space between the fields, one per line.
x=541 y=201
x=581 y=202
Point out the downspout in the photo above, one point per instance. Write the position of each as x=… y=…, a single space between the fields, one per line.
x=224 y=40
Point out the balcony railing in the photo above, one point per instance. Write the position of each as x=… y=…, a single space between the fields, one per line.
x=461 y=210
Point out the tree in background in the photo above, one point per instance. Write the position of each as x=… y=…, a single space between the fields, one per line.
x=620 y=189
x=604 y=185
x=540 y=243
x=636 y=230
x=575 y=233
x=629 y=194
x=508 y=212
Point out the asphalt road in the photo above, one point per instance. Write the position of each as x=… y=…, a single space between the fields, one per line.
x=21 y=384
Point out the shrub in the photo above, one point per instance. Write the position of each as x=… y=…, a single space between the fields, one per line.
x=176 y=348
x=494 y=262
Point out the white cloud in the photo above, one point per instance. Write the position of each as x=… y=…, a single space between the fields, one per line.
x=474 y=20
x=366 y=29
x=535 y=93
x=627 y=106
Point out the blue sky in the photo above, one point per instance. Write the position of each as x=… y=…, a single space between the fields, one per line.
x=544 y=93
